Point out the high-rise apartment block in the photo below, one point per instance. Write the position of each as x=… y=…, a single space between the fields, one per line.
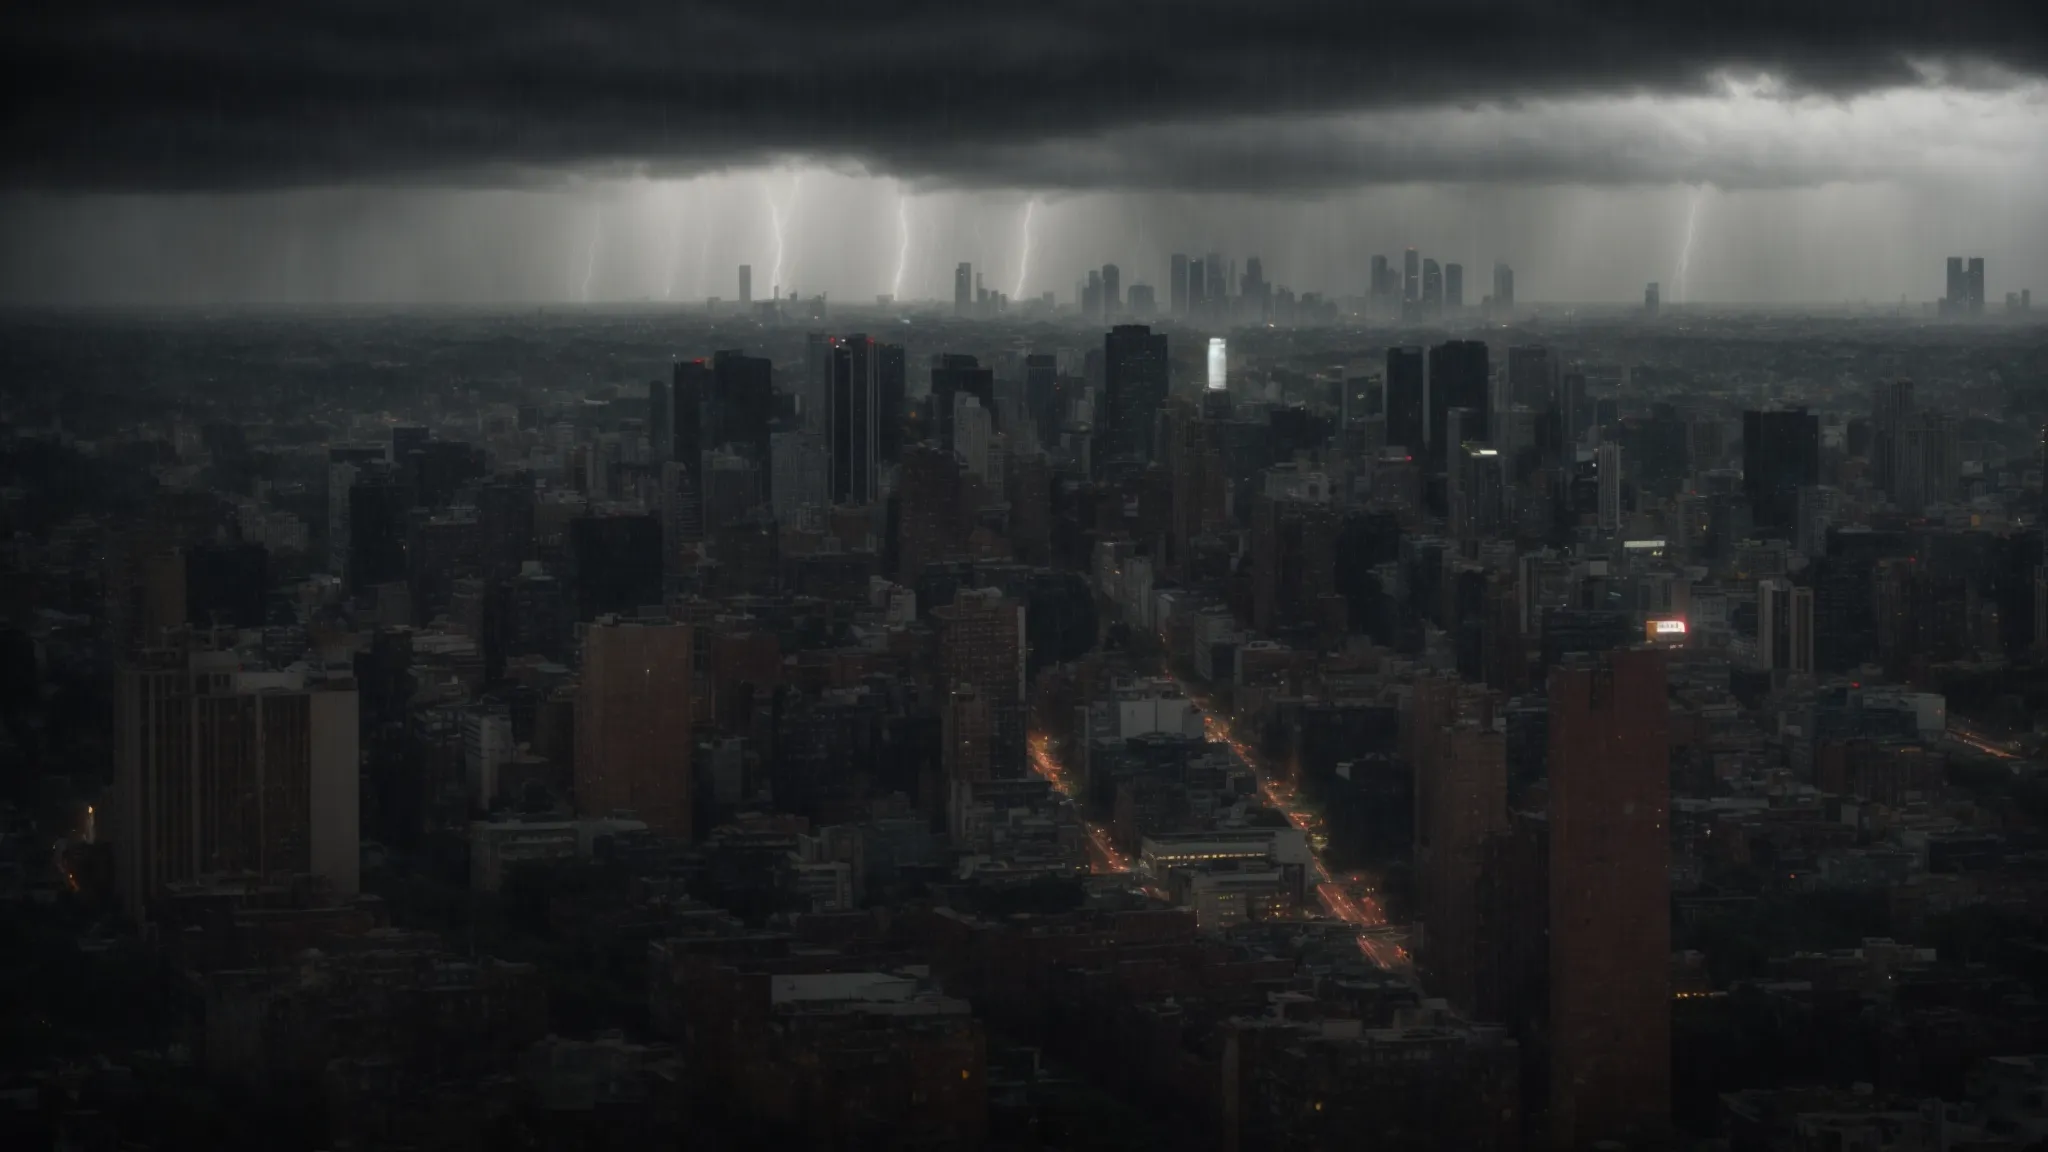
x=633 y=712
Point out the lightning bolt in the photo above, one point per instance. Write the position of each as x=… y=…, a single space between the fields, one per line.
x=590 y=265
x=902 y=244
x=1692 y=215
x=675 y=241
x=1024 y=259
x=777 y=217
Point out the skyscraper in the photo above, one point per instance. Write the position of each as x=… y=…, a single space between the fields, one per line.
x=1610 y=899
x=814 y=392
x=741 y=403
x=1454 y=287
x=1652 y=299
x=1607 y=469
x=1217 y=280
x=981 y=642
x=1458 y=378
x=1477 y=496
x=1177 y=288
x=1134 y=384
x=801 y=473
x=224 y=770
x=1784 y=626
x=1503 y=287
x=855 y=439
x=746 y=285
x=1196 y=286
x=1466 y=766
x=1958 y=289
x=963 y=289
x=891 y=401
x=1532 y=376
x=955 y=375
x=972 y=431
x=1406 y=400
x=691 y=384
x=1432 y=288
x=1377 y=286
x=633 y=714
x=1112 y=292
x=1042 y=394
x=1974 y=282
x=1411 y=277
x=1780 y=455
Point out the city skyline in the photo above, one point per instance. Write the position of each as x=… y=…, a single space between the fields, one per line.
x=602 y=157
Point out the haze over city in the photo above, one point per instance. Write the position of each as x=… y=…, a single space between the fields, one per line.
x=630 y=153
x=1082 y=576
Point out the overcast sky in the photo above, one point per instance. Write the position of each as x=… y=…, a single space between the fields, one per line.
x=611 y=150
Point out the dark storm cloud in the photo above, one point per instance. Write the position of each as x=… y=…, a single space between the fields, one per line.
x=212 y=95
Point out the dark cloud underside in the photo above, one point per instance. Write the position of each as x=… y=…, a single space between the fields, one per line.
x=213 y=95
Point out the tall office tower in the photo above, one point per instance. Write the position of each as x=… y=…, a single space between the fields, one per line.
x=1575 y=411
x=1926 y=461
x=1607 y=469
x=1610 y=899
x=965 y=736
x=633 y=713
x=973 y=434
x=1454 y=287
x=800 y=474
x=1891 y=401
x=981 y=642
x=1376 y=285
x=954 y=375
x=1532 y=376
x=1197 y=285
x=930 y=524
x=691 y=387
x=661 y=428
x=1411 y=277
x=1091 y=295
x=1467 y=767
x=746 y=285
x=892 y=401
x=1406 y=400
x=1458 y=378
x=1503 y=287
x=1217 y=288
x=1177 y=288
x=223 y=770
x=856 y=433
x=1652 y=299
x=814 y=391
x=1958 y=291
x=1432 y=288
x=1134 y=385
x=1112 y=292
x=1478 y=498
x=963 y=289
x=1042 y=395
x=1975 y=285
x=1784 y=626
x=741 y=404
x=1140 y=302
x=1780 y=455
x=1219 y=364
